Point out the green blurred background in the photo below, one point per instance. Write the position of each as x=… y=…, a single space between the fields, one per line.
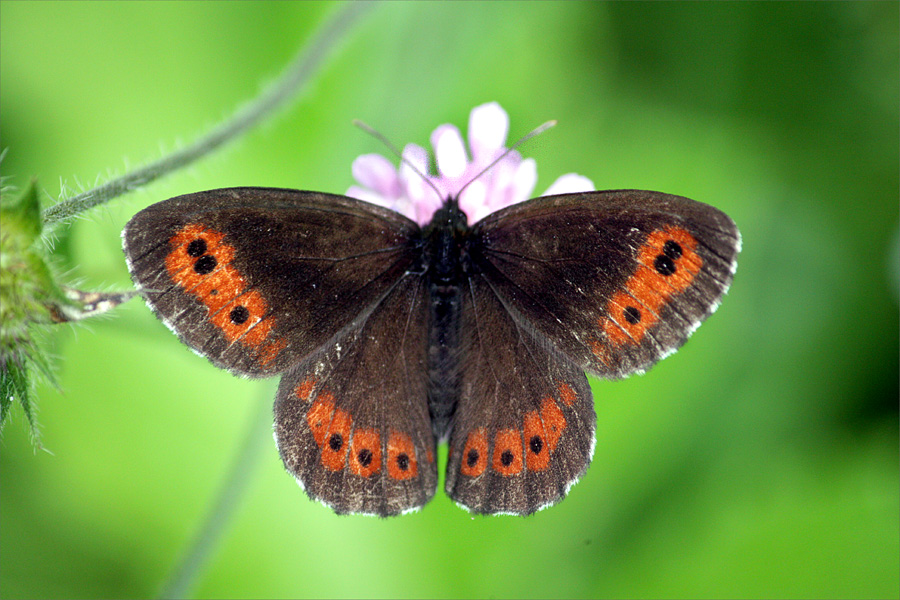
x=761 y=460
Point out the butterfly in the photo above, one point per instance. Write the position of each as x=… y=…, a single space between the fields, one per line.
x=391 y=337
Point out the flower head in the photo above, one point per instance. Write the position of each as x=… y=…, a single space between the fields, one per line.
x=509 y=181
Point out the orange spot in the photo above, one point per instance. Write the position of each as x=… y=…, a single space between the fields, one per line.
x=507 y=452
x=475 y=453
x=616 y=325
x=401 y=457
x=429 y=455
x=318 y=417
x=537 y=453
x=365 y=452
x=303 y=390
x=187 y=234
x=254 y=302
x=219 y=288
x=334 y=448
x=567 y=394
x=647 y=291
x=181 y=265
x=178 y=259
x=554 y=422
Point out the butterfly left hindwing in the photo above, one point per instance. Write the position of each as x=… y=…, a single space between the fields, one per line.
x=352 y=422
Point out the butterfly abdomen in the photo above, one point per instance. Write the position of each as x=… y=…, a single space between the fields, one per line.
x=445 y=238
x=443 y=356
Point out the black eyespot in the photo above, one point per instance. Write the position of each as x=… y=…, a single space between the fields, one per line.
x=506 y=458
x=672 y=249
x=364 y=457
x=197 y=248
x=632 y=315
x=664 y=265
x=536 y=444
x=403 y=461
x=239 y=315
x=472 y=457
x=205 y=264
x=335 y=441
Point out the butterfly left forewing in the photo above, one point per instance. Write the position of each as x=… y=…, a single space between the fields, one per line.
x=255 y=279
x=352 y=422
x=613 y=280
x=523 y=430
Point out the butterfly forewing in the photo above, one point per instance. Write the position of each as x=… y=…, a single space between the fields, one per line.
x=613 y=280
x=352 y=422
x=523 y=431
x=255 y=279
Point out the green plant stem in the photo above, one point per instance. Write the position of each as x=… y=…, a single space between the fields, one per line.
x=285 y=88
x=184 y=575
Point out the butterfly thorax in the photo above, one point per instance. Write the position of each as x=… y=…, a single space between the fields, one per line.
x=446 y=262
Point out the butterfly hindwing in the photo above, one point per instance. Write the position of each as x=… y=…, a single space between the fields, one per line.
x=255 y=279
x=523 y=431
x=352 y=422
x=613 y=280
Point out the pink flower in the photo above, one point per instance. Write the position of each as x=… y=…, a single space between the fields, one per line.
x=510 y=181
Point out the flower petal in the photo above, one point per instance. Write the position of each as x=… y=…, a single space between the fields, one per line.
x=376 y=173
x=473 y=201
x=417 y=156
x=449 y=151
x=523 y=182
x=367 y=195
x=488 y=128
x=570 y=183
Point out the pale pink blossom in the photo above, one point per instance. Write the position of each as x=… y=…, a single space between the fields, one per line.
x=509 y=181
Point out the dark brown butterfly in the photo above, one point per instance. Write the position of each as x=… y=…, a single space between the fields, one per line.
x=391 y=337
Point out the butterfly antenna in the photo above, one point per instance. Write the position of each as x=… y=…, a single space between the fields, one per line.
x=536 y=131
x=377 y=135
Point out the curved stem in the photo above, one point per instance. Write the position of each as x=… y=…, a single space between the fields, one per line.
x=185 y=574
x=265 y=104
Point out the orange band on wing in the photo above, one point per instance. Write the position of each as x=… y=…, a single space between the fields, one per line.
x=667 y=264
x=200 y=262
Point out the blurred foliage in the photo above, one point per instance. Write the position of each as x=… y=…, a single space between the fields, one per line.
x=761 y=460
x=25 y=285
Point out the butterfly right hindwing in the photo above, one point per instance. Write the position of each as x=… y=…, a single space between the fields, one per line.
x=523 y=431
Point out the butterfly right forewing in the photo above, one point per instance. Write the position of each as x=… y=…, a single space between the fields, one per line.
x=613 y=280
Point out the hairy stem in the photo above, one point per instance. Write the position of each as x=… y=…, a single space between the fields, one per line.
x=275 y=96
